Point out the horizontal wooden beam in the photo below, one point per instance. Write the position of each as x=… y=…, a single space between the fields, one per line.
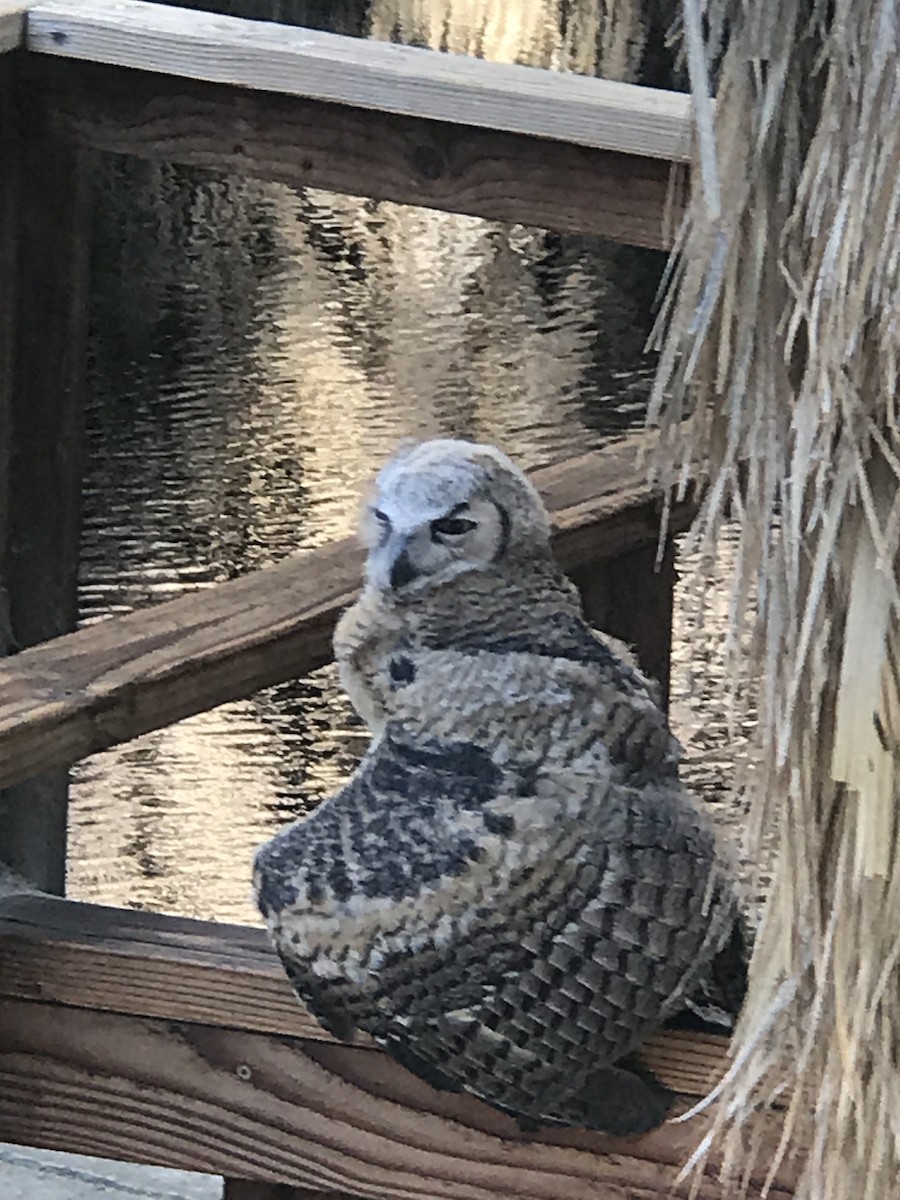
x=297 y=1112
x=208 y=972
x=124 y=676
x=159 y=1039
x=266 y=56
x=90 y=956
x=407 y=159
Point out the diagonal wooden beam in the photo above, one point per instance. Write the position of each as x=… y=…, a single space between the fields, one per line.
x=124 y=676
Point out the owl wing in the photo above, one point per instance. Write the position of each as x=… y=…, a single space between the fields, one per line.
x=381 y=870
x=488 y=940
x=561 y=973
x=635 y=731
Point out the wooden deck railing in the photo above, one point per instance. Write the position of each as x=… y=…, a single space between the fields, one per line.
x=159 y=1039
x=151 y=1038
x=107 y=683
x=367 y=118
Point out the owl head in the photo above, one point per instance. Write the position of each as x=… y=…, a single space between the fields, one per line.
x=445 y=507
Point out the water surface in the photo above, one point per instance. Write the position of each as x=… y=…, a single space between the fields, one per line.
x=256 y=353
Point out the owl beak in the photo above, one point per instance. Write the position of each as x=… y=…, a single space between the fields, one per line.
x=402 y=570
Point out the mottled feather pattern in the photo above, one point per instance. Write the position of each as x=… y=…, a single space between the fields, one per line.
x=513 y=890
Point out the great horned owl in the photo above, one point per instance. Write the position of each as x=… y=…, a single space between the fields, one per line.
x=513 y=890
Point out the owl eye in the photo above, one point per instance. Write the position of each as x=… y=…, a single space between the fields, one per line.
x=381 y=517
x=450 y=527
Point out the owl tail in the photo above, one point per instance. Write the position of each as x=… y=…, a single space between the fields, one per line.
x=624 y=1100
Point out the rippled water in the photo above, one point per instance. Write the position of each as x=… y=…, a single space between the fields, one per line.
x=255 y=353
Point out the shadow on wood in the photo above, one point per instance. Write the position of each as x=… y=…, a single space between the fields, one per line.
x=631 y=596
x=249 y=1189
x=12 y=24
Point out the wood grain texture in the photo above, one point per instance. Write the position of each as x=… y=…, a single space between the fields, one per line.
x=152 y=965
x=45 y=293
x=307 y=1114
x=375 y=75
x=407 y=159
x=146 y=964
x=127 y=675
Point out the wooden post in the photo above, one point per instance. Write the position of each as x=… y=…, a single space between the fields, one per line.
x=631 y=598
x=43 y=329
x=8 y=181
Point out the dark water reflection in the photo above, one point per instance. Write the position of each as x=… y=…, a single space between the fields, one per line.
x=256 y=352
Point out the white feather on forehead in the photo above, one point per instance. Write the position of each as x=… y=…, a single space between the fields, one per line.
x=432 y=477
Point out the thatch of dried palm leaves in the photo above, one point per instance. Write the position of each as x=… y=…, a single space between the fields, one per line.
x=779 y=368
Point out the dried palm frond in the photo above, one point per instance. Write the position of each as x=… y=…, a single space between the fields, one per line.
x=779 y=370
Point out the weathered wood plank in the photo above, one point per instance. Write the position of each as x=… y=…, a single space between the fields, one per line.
x=89 y=956
x=309 y=143
x=12 y=24
x=125 y=676
x=307 y=1114
x=376 y=75
x=44 y=293
x=157 y=966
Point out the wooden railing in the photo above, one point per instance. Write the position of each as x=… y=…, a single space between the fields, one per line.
x=367 y=118
x=159 y=1039
x=139 y=1036
x=67 y=698
x=151 y=1038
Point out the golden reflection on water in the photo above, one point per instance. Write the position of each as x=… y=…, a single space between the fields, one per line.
x=257 y=352
x=578 y=36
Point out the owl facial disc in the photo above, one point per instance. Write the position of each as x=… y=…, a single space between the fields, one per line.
x=443 y=508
